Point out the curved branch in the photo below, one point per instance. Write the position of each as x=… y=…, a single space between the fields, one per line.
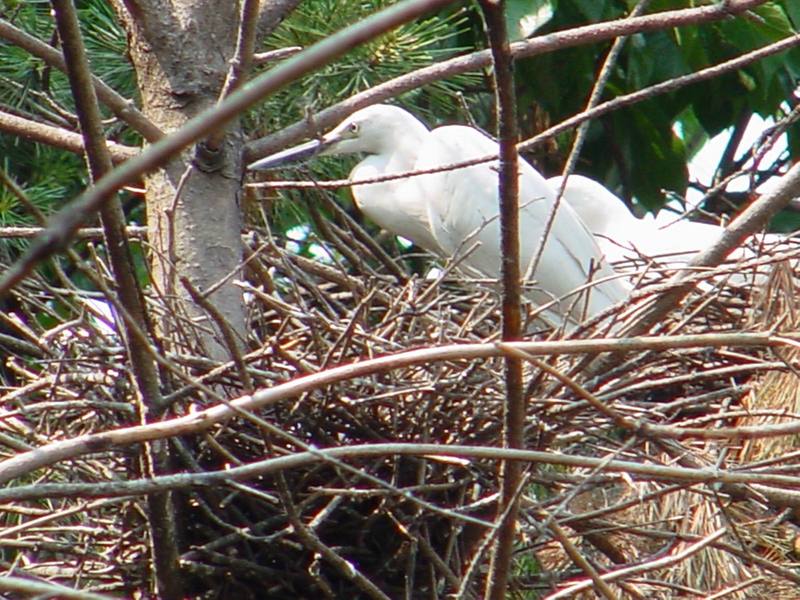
x=648 y=471
x=597 y=32
x=202 y=420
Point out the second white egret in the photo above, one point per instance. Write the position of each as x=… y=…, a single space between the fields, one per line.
x=624 y=237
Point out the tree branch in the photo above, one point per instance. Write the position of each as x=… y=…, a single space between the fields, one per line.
x=598 y=32
x=155 y=458
x=121 y=107
x=26 y=462
x=40 y=589
x=642 y=471
x=57 y=137
x=664 y=87
x=508 y=191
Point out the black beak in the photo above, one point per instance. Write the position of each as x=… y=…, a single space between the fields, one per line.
x=298 y=153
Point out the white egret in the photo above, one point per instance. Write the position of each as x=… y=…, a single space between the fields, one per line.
x=623 y=237
x=455 y=210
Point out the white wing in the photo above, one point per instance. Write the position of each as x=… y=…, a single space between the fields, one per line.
x=463 y=207
x=620 y=235
x=395 y=205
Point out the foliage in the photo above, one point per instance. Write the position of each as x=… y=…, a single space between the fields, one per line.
x=409 y=47
x=31 y=89
x=637 y=151
x=67 y=376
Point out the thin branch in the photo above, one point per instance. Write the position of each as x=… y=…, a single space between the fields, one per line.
x=85 y=233
x=580 y=134
x=261 y=58
x=508 y=191
x=580 y=561
x=69 y=219
x=228 y=333
x=643 y=568
x=160 y=508
x=113 y=219
x=57 y=137
x=644 y=471
x=40 y=589
x=121 y=107
x=313 y=543
x=23 y=463
x=664 y=87
x=594 y=97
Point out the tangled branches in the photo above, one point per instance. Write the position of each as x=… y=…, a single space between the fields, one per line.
x=405 y=525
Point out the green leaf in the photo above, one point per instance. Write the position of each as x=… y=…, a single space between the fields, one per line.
x=785 y=222
x=656 y=156
x=792 y=8
x=594 y=10
x=524 y=17
x=692 y=133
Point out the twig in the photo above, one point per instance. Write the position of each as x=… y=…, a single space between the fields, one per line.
x=45 y=590
x=312 y=541
x=57 y=137
x=649 y=566
x=85 y=233
x=200 y=421
x=260 y=58
x=642 y=471
x=508 y=192
x=579 y=560
x=228 y=334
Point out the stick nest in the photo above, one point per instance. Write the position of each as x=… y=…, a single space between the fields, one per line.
x=409 y=526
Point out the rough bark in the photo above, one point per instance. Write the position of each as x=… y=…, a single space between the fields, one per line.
x=180 y=51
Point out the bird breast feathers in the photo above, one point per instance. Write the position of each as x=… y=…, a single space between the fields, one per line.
x=465 y=201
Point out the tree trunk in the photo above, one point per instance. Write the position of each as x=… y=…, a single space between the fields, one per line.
x=180 y=50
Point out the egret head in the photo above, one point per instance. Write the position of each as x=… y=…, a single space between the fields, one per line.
x=376 y=129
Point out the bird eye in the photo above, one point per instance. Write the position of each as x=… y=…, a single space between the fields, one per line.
x=353 y=128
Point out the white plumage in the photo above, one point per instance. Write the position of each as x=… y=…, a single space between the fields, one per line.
x=622 y=236
x=450 y=211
